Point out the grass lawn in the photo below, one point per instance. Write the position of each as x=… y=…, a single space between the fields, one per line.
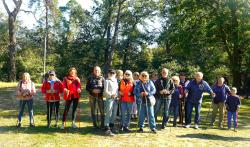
x=86 y=136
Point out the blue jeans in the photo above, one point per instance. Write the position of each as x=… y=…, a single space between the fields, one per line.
x=166 y=105
x=111 y=106
x=126 y=108
x=147 y=113
x=174 y=109
x=30 y=109
x=190 y=107
x=229 y=119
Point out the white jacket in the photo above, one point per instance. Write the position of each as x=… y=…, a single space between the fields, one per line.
x=110 y=87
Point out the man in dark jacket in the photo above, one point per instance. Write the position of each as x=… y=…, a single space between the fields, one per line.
x=95 y=86
x=164 y=89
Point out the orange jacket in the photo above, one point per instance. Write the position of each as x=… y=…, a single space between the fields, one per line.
x=127 y=90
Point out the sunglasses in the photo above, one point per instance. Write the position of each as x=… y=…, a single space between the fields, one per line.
x=112 y=73
x=127 y=74
x=144 y=76
x=51 y=75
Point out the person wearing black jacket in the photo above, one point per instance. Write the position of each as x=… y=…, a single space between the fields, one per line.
x=95 y=87
x=164 y=89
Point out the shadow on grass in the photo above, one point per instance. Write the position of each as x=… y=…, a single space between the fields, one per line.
x=87 y=130
x=213 y=137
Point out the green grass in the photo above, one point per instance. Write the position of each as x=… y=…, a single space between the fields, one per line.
x=86 y=136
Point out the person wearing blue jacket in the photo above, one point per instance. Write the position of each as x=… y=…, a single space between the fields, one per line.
x=221 y=91
x=145 y=89
x=194 y=93
x=233 y=106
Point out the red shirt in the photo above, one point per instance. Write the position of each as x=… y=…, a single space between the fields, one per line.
x=127 y=89
x=58 y=88
x=72 y=84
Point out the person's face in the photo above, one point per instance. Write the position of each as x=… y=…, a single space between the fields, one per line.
x=182 y=77
x=198 y=77
x=25 y=78
x=72 y=73
x=127 y=75
x=51 y=76
x=144 y=77
x=176 y=81
x=111 y=75
x=97 y=71
x=155 y=77
x=119 y=76
x=164 y=73
x=136 y=77
x=220 y=81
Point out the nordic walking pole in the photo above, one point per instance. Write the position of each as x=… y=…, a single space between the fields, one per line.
x=225 y=116
x=79 y=115
x=146 y=105
x=209 y=110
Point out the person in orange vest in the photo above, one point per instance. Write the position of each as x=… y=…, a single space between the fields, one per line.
x=51 y=90
x=127 y=100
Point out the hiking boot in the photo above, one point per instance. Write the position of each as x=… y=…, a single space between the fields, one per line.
x=174 y=125
x=163 y=127
x=196 y=126
x=140 y=130
x=154 y=131
x=126 y=129
x=187 y=126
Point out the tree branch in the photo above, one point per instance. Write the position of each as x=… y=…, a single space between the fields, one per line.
x=27 y=11
x=6 y=7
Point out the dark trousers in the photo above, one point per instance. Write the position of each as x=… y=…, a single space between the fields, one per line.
x=190 y=107
x=52 y=107
x=93 y=101
x=67 y=106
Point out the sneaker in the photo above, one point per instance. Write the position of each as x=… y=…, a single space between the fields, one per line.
x=187 y=126
x=73 y=126
x=196 y=126
x=19 y=125
x=174 y=125
x=62 y=127
x=163 y=127
x=140 y=130
x=122 y=129
x=126 y=129
x=109 y=133
x=154 y=131
x=235 y=130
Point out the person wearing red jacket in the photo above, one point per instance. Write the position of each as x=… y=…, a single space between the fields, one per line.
x=127 y=100
x=72 y=90
x=51 y=90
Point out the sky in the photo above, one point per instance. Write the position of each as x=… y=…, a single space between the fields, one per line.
x=29 y=20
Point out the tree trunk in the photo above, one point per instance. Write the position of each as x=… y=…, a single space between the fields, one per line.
x=114 y=38
x=12 y=39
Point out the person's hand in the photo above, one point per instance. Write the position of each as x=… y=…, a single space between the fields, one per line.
x=180 y=96
x=113 y=96
x=121 y=93
x=142 y=94
x=79 y=90
x=238 y=108
x=96 y=91
x=186 y=94
x=129 y=94
x=67 y=92
x=162 y=91
x=145 y=94
x=213 y=94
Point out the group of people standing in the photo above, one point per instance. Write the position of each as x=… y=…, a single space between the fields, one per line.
x=132 y=95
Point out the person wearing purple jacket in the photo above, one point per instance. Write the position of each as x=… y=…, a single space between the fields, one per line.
x=233 y=106
x=194 y=93
x=221 y=91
